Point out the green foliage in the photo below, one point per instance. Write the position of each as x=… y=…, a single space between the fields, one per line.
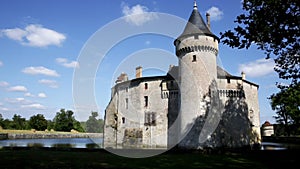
x=6 y=124
x=65 y=121
x=18 y=123
x=286 y=103
x=50 y=125
x=1 y=121
x=272 y=25
x=38 y=122
x=77 y=126
x=93 y=125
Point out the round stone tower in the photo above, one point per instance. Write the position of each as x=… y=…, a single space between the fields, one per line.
x=197 y=50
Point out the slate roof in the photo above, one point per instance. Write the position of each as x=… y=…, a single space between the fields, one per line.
x=196 y=26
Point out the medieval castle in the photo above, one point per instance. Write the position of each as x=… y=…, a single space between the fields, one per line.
x=196 y=104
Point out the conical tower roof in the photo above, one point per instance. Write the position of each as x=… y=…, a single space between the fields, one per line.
x=196 y=26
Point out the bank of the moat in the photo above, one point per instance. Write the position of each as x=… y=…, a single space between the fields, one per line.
x=4 y=136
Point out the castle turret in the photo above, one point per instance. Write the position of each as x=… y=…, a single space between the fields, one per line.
x=197 y=50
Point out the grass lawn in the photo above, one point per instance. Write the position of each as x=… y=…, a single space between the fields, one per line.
x=31 y=132
x=84 y=158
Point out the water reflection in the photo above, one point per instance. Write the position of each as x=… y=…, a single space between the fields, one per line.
x=56 y=143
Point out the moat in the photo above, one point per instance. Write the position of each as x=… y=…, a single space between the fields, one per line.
x=54 y=142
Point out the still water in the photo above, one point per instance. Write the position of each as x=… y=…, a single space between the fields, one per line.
x=64 y=142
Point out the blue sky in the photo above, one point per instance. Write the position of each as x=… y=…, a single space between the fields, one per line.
x=41 y=42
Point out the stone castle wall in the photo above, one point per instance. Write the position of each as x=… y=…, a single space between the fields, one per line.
x=140 y=115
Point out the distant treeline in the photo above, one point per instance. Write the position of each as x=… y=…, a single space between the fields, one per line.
x=64 y=120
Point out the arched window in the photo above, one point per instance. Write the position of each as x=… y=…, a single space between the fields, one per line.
x=146 y=86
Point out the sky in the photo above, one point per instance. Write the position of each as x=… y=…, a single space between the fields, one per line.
x=66 y=54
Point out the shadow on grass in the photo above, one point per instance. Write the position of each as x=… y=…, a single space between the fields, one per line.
x=100 y=158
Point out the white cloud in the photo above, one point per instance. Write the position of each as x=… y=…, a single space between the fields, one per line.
x=258 y=68
x=17 y=89
x=1 y=63
x=17 y=100
x=40 y=70
x=14 y=34
x=4 y=109
x=50 y=83
x=137 y=15
x=42 y=95
x=4 y=84
x=35 y=35
x=66 y=63
x=34 y=106
x=28 y=94
x=215 y=13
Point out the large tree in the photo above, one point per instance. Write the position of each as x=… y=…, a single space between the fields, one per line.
x=65 y=121
x=273 y=26
x=92 y=124
x=18 y=122
x=286 y=103
x=38 y=122
x=1 y=121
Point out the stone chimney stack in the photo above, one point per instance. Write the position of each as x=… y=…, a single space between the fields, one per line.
x=208 y=20
x=170 y=67
x=243 y=75
x=138 y=72
x=122 y=78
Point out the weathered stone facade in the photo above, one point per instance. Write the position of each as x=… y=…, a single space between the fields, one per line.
x=197 y=104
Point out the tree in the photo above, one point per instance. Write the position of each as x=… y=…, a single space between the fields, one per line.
x=38 y=122
x=18 y=122
x=65 y=121
x=286 y=103
x=272 y=25
x=101 y=122
x=1 y=121
x=92 y=124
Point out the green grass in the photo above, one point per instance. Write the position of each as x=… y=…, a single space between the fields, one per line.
x=77 y=158
x=9 y=131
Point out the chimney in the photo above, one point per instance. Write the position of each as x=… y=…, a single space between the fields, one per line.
x=138 y=72
x=208 y=20
x=243 y=76
x=122 y=78
x=170 y=67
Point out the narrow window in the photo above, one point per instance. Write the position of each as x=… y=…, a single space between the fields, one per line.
x=126 y=103
x=146 y=101
x=126 y=89
x=251 y=115
x=228 y=80
x=147 y=119
x=146 y=86
x=194 y=58
x=123 y=120
x=153 y=119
